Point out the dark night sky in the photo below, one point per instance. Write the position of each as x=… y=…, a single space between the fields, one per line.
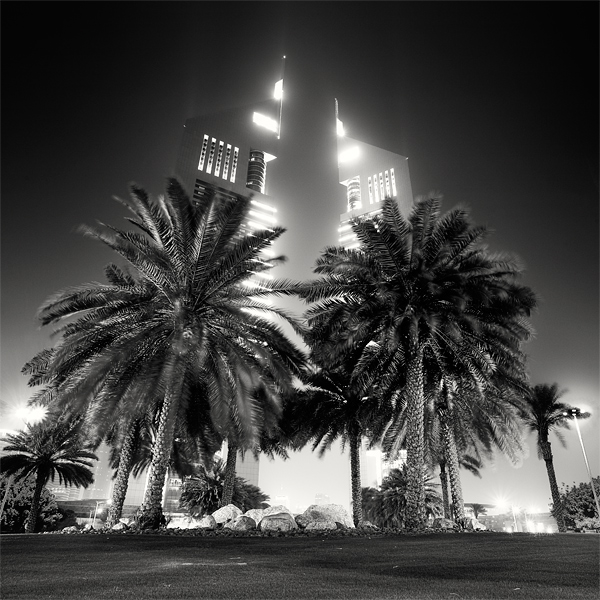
x=495 y=104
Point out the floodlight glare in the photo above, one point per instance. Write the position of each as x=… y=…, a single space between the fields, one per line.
x=264 y=121
x=339 y=126
x=349 y=154
x=278 y=93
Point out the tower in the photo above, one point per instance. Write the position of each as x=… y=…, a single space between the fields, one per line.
x=370 y=175
x=233 y=151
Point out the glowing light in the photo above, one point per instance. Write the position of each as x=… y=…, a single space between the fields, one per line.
x=339 y=128
x=264 y=275
x=278 y=92
x=348 y=236
x=264 y=121
x=262 y=205
x=30 y=414
x=349 y=154
x=262 y=216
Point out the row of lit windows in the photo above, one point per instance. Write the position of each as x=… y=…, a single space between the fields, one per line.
x=224 y=156
x=378 y=190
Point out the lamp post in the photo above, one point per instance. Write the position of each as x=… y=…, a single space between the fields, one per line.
x=574 y=413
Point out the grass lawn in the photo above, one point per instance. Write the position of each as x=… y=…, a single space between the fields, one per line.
x=452 y=566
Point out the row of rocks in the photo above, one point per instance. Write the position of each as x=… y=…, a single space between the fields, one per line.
x=274 y=518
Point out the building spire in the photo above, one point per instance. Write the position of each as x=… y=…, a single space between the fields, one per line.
x=279 y=95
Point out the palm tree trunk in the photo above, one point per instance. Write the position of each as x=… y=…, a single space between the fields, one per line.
x=415 y=451
x=357 y=509
x=151 y=511
x=453 y=469
x=556 y=501
x=35 y=503
x=123 y=472
x=229 y=479
x=444 y=482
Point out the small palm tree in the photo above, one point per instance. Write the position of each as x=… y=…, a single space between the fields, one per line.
x=386 y=507
x=333 y=405
x=50 y=448
x=201 y=493
x=544 y=412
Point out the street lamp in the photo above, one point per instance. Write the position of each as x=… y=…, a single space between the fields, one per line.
x=98 y=503
x=574 y=413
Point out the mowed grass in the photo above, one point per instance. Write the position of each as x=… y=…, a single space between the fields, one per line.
x=457 y=566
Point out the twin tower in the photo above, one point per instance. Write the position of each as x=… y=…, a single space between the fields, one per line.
x=231 y=151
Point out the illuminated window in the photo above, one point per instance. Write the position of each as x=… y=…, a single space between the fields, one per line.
x=370 y=185
x=203 y=153
x=211 y=155
x=353 y=193
x=376 y=187
x=257 y=168
x=236 y=152
x=394 y=192
x=226 y=163
x=381 y=186
x=387 y=184
x=219 y=159
x=264 y=121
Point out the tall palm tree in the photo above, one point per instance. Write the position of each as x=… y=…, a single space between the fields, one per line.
x=544 y=412
x=185 y=330
x=49 y=448
x=131 y=454
x=424 y=289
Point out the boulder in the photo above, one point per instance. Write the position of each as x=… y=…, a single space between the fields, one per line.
x=71 y=529
x=321 y=525
x=241 y=523
x=302 y=521
x=282 y=521
x=206 y=522
x=330 y=513
x=120 y=526
x=441 y=523
x=226 y=513
x=255 y=513
x=472 y=524
x=273 y=510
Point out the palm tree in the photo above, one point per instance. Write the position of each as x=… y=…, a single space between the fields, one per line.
x=186 y=331
x=49 y=448
x=332 y=405
x=424 y=290
x=201 y=493
x=544 y=412
x=386 y=507
x=131 y=454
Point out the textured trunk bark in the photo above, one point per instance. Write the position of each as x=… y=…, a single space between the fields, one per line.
x=415 y=455
x=444 y=482
x=123 y=472
x=453 y=467
x=547 y=454
x=35 y=503
x=357 y=509
x=229 y=480
x=151 y=511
